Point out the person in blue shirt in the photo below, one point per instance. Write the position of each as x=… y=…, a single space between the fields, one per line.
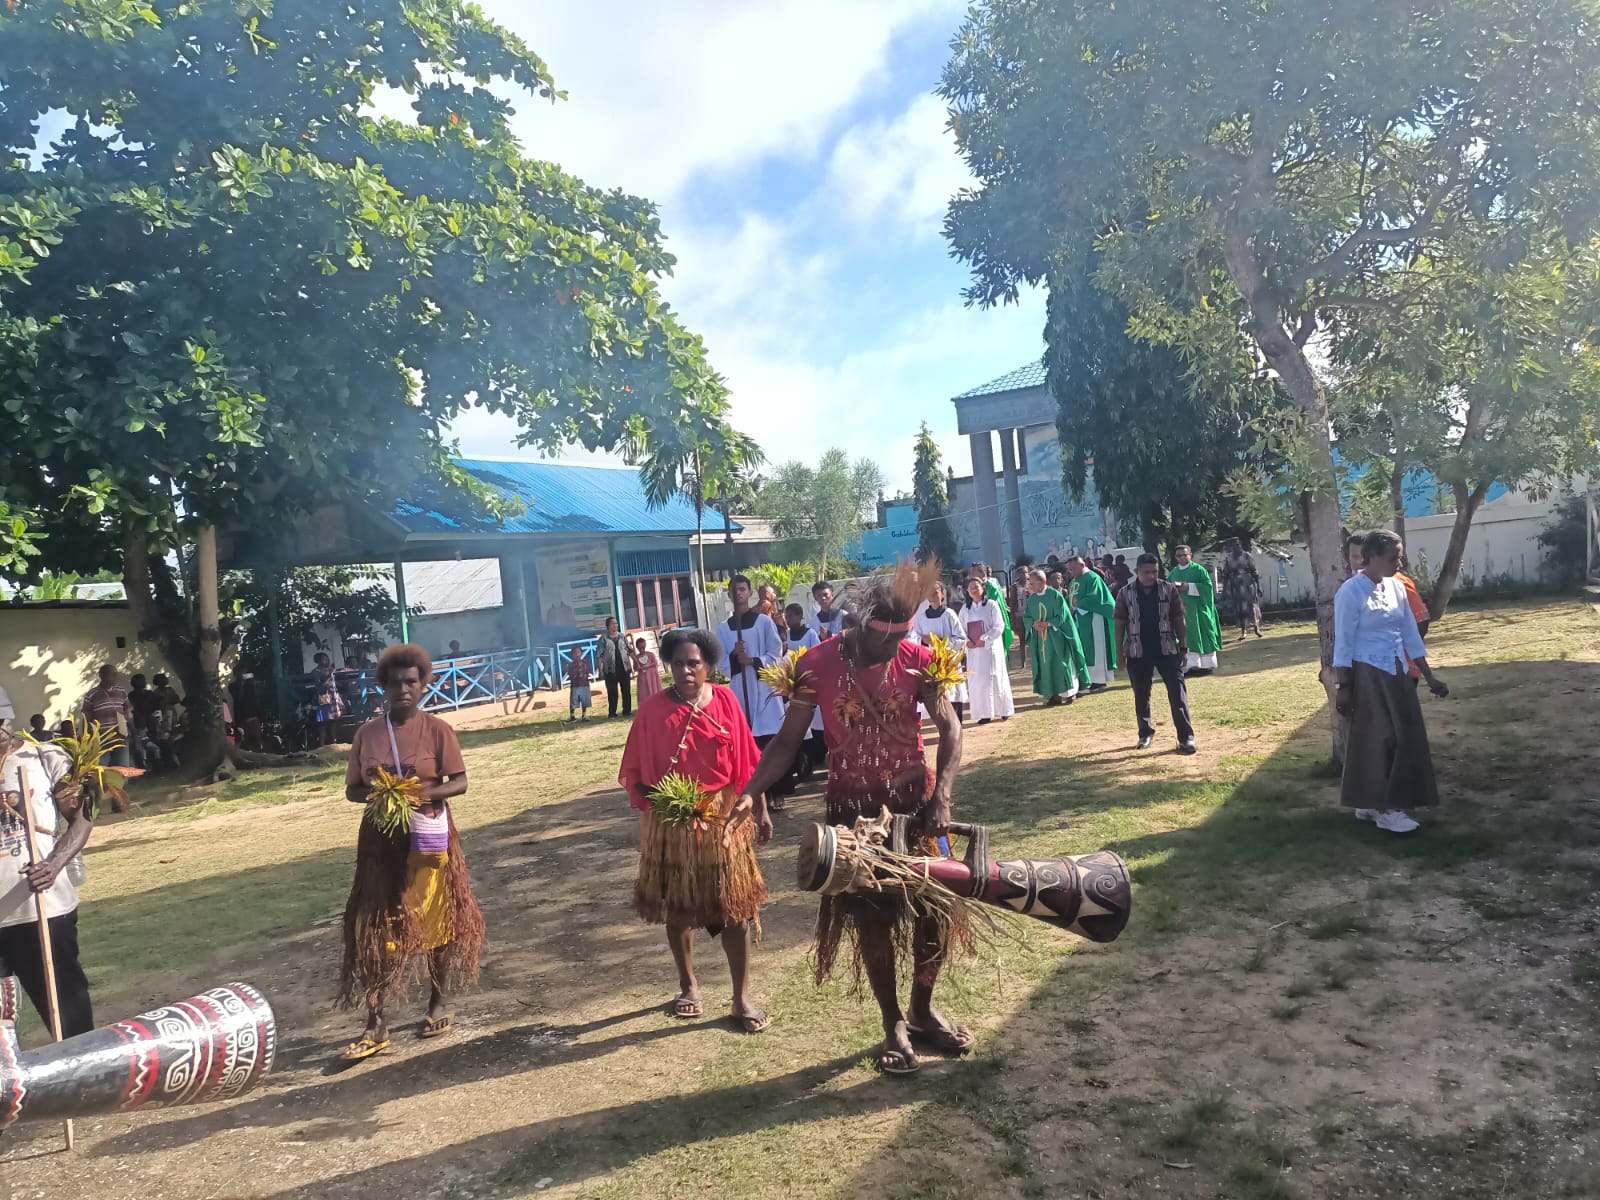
x=1388 y=767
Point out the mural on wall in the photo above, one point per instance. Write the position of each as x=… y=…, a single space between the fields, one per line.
x=575 y=587
x=1044 y=451
x=1051 y=522
x=897 y=539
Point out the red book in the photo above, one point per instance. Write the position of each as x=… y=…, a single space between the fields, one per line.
x=974 y=632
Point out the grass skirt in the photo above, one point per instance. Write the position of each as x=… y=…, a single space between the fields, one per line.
x=691 y=879
x=402 y=906
x=840 y=918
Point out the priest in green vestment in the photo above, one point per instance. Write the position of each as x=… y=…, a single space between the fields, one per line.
x=1094 y=609
x=1053 y=649
x=1199 y=610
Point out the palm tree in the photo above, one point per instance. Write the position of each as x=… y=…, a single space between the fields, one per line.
x=700 y=471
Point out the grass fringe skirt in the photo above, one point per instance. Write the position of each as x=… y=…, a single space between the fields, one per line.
x=692 y=879
x=386 y=942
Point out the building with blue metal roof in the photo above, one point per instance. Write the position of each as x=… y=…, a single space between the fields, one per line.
x=583 y=544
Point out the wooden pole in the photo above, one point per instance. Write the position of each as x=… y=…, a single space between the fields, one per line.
x=46 y=951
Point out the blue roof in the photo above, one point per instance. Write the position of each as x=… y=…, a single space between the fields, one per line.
x=1030 y=376
x=560 y=498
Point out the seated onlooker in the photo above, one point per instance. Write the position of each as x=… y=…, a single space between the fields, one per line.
x=167 y=698
x=144 y=703
x=37 y=730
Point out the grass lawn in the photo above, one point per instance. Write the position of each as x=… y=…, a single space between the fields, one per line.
x=1302 y=1006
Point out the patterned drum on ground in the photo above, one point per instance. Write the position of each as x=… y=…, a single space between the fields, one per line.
x=208 y=1048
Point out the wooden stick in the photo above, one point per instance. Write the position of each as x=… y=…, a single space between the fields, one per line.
x=47 y=952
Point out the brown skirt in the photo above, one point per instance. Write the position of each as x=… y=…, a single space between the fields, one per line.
x=1387 y=764
x=408 y=915
x=690 y=878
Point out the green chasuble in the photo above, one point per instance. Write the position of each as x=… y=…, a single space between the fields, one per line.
x=1199 y=612
x=1091 y=598
x=1055 y=656
x=996 y=593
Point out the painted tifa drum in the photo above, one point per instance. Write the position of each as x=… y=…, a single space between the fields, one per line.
x=1090 y=895
x=208 y=1048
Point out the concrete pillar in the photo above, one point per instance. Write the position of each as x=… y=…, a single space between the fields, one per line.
x=986 y=499
x=1008 y=462
x=514 y=602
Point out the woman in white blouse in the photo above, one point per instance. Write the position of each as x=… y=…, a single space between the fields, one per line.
x=1388 y=767
x=988 y=680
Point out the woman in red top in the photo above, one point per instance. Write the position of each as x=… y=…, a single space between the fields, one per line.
x=691 y=877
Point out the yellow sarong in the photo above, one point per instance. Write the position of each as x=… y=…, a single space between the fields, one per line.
x=427 y=899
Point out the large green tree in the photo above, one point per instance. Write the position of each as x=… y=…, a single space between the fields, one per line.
x=232 y=290
x=1160 y=436
x=930 y=498
x=823 y=506
x=1496 y=381
x=1284 y=164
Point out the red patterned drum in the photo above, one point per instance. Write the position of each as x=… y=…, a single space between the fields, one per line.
x=208 y=1048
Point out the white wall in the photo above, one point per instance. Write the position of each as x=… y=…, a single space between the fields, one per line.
x=50 y=656
x=1503 y=541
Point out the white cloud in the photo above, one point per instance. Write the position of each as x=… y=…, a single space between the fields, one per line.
x=902 y=170
x=833 y=309
x=659 y=92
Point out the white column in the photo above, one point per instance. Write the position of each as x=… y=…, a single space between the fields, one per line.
x=986 y=498
x=1008 y=462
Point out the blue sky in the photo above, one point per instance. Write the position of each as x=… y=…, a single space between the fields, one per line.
x=802 y=168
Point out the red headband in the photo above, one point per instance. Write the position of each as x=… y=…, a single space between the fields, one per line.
x=888 y=626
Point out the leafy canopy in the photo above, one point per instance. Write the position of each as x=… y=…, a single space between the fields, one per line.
x=824 y=505
x=1161 y=436
x=235 y=286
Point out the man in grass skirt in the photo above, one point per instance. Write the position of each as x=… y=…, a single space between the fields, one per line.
x=867 y=684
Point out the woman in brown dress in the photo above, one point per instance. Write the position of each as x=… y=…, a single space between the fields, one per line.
x=411 y=903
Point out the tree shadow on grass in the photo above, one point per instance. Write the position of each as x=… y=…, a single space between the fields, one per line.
x=555 y=885
x=588 y=1145
x=1277 y=839
x=1275 y=831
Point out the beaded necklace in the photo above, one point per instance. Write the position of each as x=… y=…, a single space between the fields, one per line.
x=695 y=709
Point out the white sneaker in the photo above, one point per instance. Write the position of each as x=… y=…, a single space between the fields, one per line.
x=1366 y=814
x=1396 y=821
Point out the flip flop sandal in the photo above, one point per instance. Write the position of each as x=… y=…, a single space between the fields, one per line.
x=686 y=1009
x=364 y=1049
x=756 y=1022
x=895 y=1062
x=434 y=1027
x=951 y=1040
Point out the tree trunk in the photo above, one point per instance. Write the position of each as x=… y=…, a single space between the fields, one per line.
x=1444 y=583
x=163 y=619
x=1323 y=522
x=1397 y=497
x=209 y=746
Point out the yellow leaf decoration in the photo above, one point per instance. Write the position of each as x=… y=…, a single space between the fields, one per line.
x=947 y=670
x=88 y=744
x=788 y=677
x=680 y=803
x=391 y=801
